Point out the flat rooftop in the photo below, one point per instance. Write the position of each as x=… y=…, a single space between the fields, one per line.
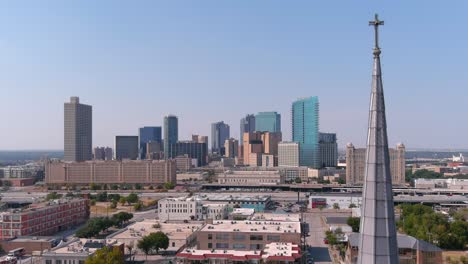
x=271 y=252
x=82 y=247
x=243 y=211
x=276 y=217
x=253 y=226
x=177 y=232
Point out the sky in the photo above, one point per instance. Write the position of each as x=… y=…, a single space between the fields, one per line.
x=207 y=61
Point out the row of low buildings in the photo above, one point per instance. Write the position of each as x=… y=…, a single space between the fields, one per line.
x=211 y=206
x=278 y=175
x=349 y=200
x=153 y=172
x=452 y=184
x=22 y=175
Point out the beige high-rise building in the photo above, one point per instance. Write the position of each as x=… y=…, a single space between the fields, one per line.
x=231 y=147
x=270 y=142
x=356 y=162
x=252 y=144
x=78 y=131
x=154 y=150
x=256 y=144
x=200 y=139
x=288 y=154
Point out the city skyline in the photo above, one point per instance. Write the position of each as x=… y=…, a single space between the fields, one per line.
x=294 y=57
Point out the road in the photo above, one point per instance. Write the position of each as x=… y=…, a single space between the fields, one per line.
x=318 y=250
x=277 y=196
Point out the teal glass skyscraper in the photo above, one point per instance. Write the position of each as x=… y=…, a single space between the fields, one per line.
x=171 y=134
x=268 y=122
x=305 y=130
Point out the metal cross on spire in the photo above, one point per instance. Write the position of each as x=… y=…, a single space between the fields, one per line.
x=376 y=23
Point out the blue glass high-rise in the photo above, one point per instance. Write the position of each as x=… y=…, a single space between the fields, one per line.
x=268 y=122
x=171 y=134
x=145 y=135
x=305 y=130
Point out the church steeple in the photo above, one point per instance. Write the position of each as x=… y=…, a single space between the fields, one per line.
x=378 y=240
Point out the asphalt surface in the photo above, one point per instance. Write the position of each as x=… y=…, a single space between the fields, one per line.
x=318 y=250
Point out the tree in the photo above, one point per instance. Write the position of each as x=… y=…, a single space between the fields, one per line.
x=122 y=200
x=336 y=206
x=138 y=186
x=354 y=223
x=423 y=223
x=92 y=202
x=169 y=185
x=138 y=206
x=106 y=255
x=153 y=242
x=331 y=238
x=351 y=205
x=93 y=186
x=94 y=226
x=101 y=197
x=113 y=204
x=145 y=245
x=53 y=196
x=132 y=198
x=341 y=181
x=121 y=217
x=114 y=187
x=298 y=180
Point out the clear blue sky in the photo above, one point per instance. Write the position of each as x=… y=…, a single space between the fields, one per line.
x=206 y=61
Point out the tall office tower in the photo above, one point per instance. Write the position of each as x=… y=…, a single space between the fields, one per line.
x=200 y=139
x=78 y=131
x=145 y=135
x=270 y=142
x=247 y=124
x=108 y=153
x=126 y=147
x=219 y=133
x=154 y=150
x=378 y=238
x=328 y=149
x=98 y=153
x=102 y=153
x=193 y=150
x=231 y=147
x=252 y=148
x=171 y=134
x=268 y=121
x=305 y=130
x=288 y=154
x=356 y=164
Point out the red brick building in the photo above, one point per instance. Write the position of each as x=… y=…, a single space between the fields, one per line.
x=43 y=219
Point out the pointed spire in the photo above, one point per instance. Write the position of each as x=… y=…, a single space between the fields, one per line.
x=378 y=240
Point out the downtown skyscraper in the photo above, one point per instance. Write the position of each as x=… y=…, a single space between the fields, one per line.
x=247 y=124
x=268 y=122
x=219 y=134
x=146 y=135
x=78 y=131
x=305 y=130
x=171 y=134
